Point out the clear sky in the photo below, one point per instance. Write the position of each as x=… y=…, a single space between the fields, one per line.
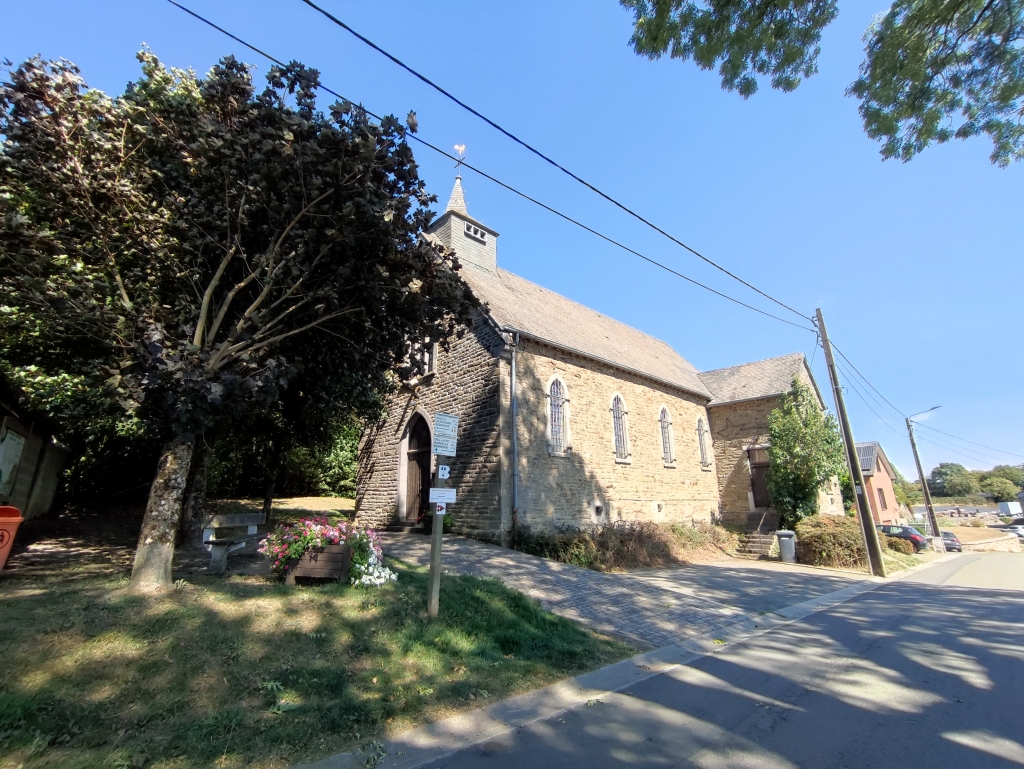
x=917 y=267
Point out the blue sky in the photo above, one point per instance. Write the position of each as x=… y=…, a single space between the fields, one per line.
x=918 y=267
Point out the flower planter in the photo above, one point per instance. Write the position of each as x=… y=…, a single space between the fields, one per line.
x=10 y=519
x=329 y=562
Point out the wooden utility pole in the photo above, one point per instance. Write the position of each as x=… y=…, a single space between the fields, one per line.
x=933 y=522
x=867 y=521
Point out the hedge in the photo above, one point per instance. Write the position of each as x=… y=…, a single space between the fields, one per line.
x=830 y=540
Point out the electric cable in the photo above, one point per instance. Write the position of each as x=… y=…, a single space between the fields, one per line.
x=544 y=157
x=982 y=445
x=508 y=187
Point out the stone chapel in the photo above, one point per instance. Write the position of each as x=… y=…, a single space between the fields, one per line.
x=567 y=416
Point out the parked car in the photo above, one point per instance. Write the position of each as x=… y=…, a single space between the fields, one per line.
x=916 y=538
x=951 y=542
x=1017 y=529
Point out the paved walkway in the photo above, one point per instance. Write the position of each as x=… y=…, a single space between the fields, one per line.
x=651 y=607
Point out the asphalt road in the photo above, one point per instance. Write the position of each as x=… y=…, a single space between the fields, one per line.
x=927 y=671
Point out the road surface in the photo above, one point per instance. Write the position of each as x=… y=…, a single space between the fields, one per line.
x=927 y=671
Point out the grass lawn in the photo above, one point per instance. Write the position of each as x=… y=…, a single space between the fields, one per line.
x=244 y=672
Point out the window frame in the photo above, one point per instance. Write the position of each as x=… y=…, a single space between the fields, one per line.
x=620 y=426
x=566 y=447
x=706 y=452
x=881 y=498
x=668 y=438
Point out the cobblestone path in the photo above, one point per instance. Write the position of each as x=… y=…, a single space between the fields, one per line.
x=652 y=608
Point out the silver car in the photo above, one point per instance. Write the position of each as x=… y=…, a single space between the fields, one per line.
x=1017 y=529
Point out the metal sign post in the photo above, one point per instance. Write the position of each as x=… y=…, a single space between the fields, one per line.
x=446 y=429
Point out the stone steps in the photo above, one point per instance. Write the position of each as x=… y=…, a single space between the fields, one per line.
x=755 y=545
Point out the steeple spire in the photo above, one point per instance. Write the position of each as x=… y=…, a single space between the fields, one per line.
x=457 y=202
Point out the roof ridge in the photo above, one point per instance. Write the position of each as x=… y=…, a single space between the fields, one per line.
x=754 y=362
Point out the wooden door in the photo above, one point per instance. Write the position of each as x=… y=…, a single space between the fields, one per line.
x=417 y=483
x=759 y=477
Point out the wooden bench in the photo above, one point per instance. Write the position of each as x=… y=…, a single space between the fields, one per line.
x=220 y=547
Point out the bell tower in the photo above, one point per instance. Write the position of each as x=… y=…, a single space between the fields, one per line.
x=475 y=244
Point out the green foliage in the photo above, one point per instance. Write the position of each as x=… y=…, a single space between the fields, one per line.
x=951 y=479
x=830 y=540
x=934 y=70
x=246 y=457
x=185 y=253
x=775 y=39
x=1013 y=473
x=899 y=545
x=1002 y=489
x=941 y=69
x=805 y=453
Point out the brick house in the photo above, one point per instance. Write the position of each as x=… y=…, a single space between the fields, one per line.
x=566 y=416
x=878 y=481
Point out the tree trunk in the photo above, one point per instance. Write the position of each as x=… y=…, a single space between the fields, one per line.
x=271 y=481
x=195 y=495
x=153 y=556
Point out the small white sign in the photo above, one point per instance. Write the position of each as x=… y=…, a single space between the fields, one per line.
x=446 y=496
x=446 y=425
x=444 y=446
x=444 y=472
x=439 y=509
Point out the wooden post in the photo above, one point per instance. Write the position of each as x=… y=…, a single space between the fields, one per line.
x=434 y=584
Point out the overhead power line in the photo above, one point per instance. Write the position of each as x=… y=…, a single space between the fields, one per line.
x=502 y=184
x=982 y=445
x=868 y=383
x=538 y=153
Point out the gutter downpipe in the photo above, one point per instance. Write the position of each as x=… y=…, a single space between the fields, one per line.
x=515 y=431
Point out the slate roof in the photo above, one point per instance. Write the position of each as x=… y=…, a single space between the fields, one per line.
x=869 y=455
x=516 y=304
x=761 y=379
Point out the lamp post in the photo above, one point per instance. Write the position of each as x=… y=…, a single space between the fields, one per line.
x=933 y=522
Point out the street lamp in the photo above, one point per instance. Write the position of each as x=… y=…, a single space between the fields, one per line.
x=933 y=522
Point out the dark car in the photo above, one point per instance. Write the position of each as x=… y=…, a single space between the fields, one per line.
x=909 y=533
x=952 y=543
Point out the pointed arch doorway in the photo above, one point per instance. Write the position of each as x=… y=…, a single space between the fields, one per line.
x=417 y=469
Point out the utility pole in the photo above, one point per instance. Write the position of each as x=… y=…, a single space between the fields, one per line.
x=867 y=521
x=933 y=522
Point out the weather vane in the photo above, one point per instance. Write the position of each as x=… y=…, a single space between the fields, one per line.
x=460 y=149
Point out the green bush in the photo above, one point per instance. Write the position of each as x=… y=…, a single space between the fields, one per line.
x=830 y=540
x=899 y=545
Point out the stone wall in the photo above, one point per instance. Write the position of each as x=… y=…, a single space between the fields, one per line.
x=465 y=383
x=735 y=427
x=587 y=484
x=1008 y=543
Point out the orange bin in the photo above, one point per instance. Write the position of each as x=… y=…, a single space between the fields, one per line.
x=10 y=519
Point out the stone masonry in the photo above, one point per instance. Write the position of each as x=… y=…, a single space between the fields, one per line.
x=588 y=485
x=466 y=384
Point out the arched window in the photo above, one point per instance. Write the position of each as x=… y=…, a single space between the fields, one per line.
x=621 y=429
x=702 y=441
x=556 y=417
x=666 y=437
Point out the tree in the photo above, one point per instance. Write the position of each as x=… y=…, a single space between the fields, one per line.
x=1013 y=473
x=934 y=70
x=951 y=479
x=188 y=250
x=907 y=493
x=806 y=451
x=1002 y=489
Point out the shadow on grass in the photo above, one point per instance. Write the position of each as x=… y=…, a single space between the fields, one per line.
x=251 y=673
